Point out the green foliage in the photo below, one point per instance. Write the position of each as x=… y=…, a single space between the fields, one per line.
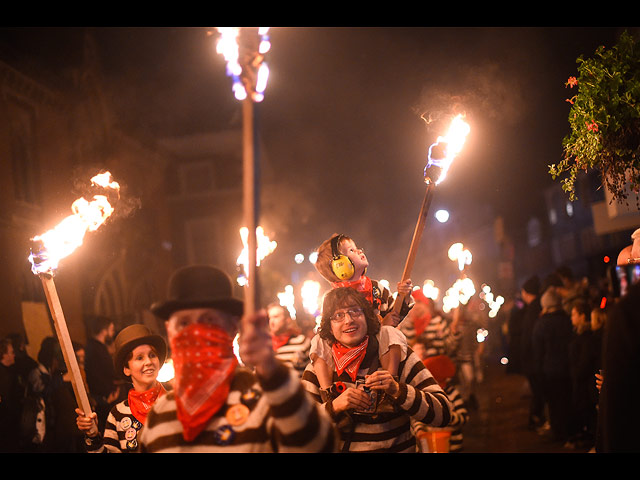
x=605 y=120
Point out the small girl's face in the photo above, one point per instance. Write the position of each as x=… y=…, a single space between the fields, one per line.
x=356 y=255
x=143 y=367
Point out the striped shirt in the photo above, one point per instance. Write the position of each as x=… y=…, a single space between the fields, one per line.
x=459 y=418
x=121 y=433
x=280 y=417
x=295 y=353
x=420 y=399
x=440 y=339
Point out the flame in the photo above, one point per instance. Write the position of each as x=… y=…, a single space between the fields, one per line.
x=494 y=302
x=457 y=253
x=68 y=235
x=452 y=143
x=459 y=294
x=265 y=246
x=430 y=290
x=287 y=300
x=229 y=47
x=310 y=293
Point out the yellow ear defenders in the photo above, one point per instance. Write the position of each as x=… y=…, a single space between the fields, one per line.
x=341 y=265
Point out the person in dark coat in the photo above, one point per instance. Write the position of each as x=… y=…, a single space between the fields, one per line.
x=101 y=376
x=551 y=336
x=9 y=398
x=530 y=368
x=584 y=365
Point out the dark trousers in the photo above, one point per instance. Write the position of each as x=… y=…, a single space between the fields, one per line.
x=558 y=397
x=536 y=405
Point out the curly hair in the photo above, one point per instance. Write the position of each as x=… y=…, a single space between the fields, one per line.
x=345 y=297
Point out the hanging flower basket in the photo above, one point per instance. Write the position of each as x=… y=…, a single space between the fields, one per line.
x=605 y=121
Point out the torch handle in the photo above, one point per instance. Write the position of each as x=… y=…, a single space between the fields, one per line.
x=415 y=242
x=251 y=202
x=65 y=344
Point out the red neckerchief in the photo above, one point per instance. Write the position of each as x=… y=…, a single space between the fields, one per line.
x=363 y=285
x=348 y=359
x=280 y=340
x=204 y=363
x=141 y=402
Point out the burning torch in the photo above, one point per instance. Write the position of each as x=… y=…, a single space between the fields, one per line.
x=244 y=50
x=440 y=156
x=52 y=246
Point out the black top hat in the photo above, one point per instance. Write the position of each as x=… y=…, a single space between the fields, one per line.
x=132 y=336
x=199 y=286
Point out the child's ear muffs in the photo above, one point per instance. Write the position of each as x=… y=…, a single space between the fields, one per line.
x=341 y=265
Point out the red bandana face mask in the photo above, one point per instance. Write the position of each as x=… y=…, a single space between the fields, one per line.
x=204 y=363
x=348 y=359
x=141 y=402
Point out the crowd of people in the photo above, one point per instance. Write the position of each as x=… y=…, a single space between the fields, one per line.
x=379 y=373
x=575 y=342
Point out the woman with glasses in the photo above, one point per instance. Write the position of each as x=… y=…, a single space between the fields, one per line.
x=350 y=327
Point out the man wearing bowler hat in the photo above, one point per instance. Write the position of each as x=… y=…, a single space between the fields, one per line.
x=218 y=405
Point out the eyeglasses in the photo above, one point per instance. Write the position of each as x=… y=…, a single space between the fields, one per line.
x=353 y=312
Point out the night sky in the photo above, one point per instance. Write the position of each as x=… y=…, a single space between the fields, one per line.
x=343 y=119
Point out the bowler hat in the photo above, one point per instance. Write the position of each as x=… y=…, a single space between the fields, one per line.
x=199 y=286
x=132 y=336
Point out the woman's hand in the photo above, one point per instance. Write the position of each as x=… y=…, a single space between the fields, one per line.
x=383 y=381
x=85 y=424
x=352 y=399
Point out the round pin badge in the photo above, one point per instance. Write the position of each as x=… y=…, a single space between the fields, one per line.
x=237 y=414
x=224 y=435
x=250 y=397
x=125 y=423
x=130 y=434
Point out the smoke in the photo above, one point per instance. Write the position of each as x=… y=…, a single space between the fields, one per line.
x=490 y=92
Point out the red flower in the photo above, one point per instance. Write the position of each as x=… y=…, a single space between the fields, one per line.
x=571 y=82
x=592 y=127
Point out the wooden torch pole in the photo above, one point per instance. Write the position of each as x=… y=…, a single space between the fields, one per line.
x=415 y=242
x=65 y=343
x=251 y=197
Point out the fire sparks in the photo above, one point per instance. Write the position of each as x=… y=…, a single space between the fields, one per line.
x=240 y=68
x=446 y=148
x=68 y=235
